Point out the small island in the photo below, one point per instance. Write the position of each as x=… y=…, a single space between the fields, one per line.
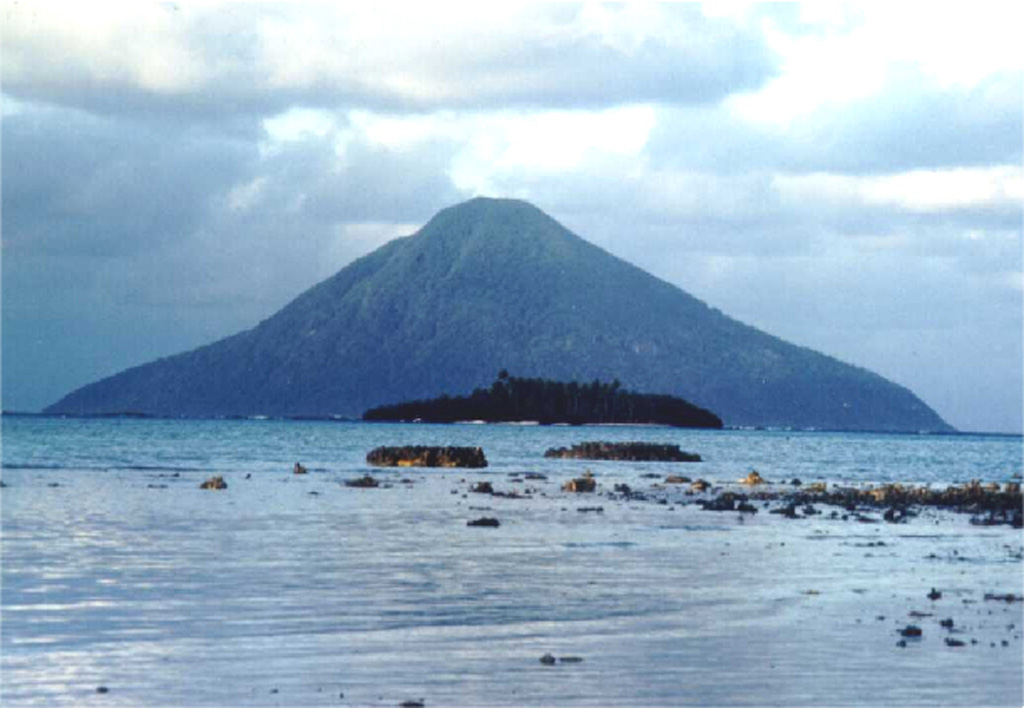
x=513 y=399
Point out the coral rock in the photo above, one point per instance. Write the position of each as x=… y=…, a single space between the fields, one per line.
x=421 y=456
x=586 y=483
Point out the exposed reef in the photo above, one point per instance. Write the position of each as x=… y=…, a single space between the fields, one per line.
x=628 y=451
x=989 y=504
x=421 y=456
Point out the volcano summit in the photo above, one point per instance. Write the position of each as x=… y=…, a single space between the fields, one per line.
x=497 y=284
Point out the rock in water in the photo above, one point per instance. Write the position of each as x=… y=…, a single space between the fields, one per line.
x=583 y=484
x=421 y=456
x=364 y=482
x=627 y=451
x=753 y=479
x=724 y=502
x=485 y=522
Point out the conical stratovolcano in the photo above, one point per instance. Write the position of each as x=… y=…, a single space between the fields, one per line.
x=496 y=284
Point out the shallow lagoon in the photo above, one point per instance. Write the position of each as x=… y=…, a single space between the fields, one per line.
x=293 y=590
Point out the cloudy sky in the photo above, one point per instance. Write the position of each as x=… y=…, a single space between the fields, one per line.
x=847 y=177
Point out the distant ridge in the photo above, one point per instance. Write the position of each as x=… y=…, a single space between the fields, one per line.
x=495 y=283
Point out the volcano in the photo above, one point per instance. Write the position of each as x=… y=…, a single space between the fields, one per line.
x=495 y=284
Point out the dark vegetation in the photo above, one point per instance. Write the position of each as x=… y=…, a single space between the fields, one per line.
x=517 y=399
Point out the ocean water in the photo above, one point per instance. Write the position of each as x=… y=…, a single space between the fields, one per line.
x=118 y=571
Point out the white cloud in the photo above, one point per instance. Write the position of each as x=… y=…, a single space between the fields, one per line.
x=916 y=191
x=75 y=45
x=956 y=43
x=489 y=145
x=854 y=48
x=558 y=141
x=299 y=123
x=356 y=238
x=817 y=69
x=243 y=197
x=241 y=58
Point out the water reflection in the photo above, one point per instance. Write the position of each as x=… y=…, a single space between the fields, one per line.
x=177 y=596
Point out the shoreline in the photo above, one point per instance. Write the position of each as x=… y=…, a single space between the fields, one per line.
x=647 y=598
x=258 y=418
x=468 y=579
